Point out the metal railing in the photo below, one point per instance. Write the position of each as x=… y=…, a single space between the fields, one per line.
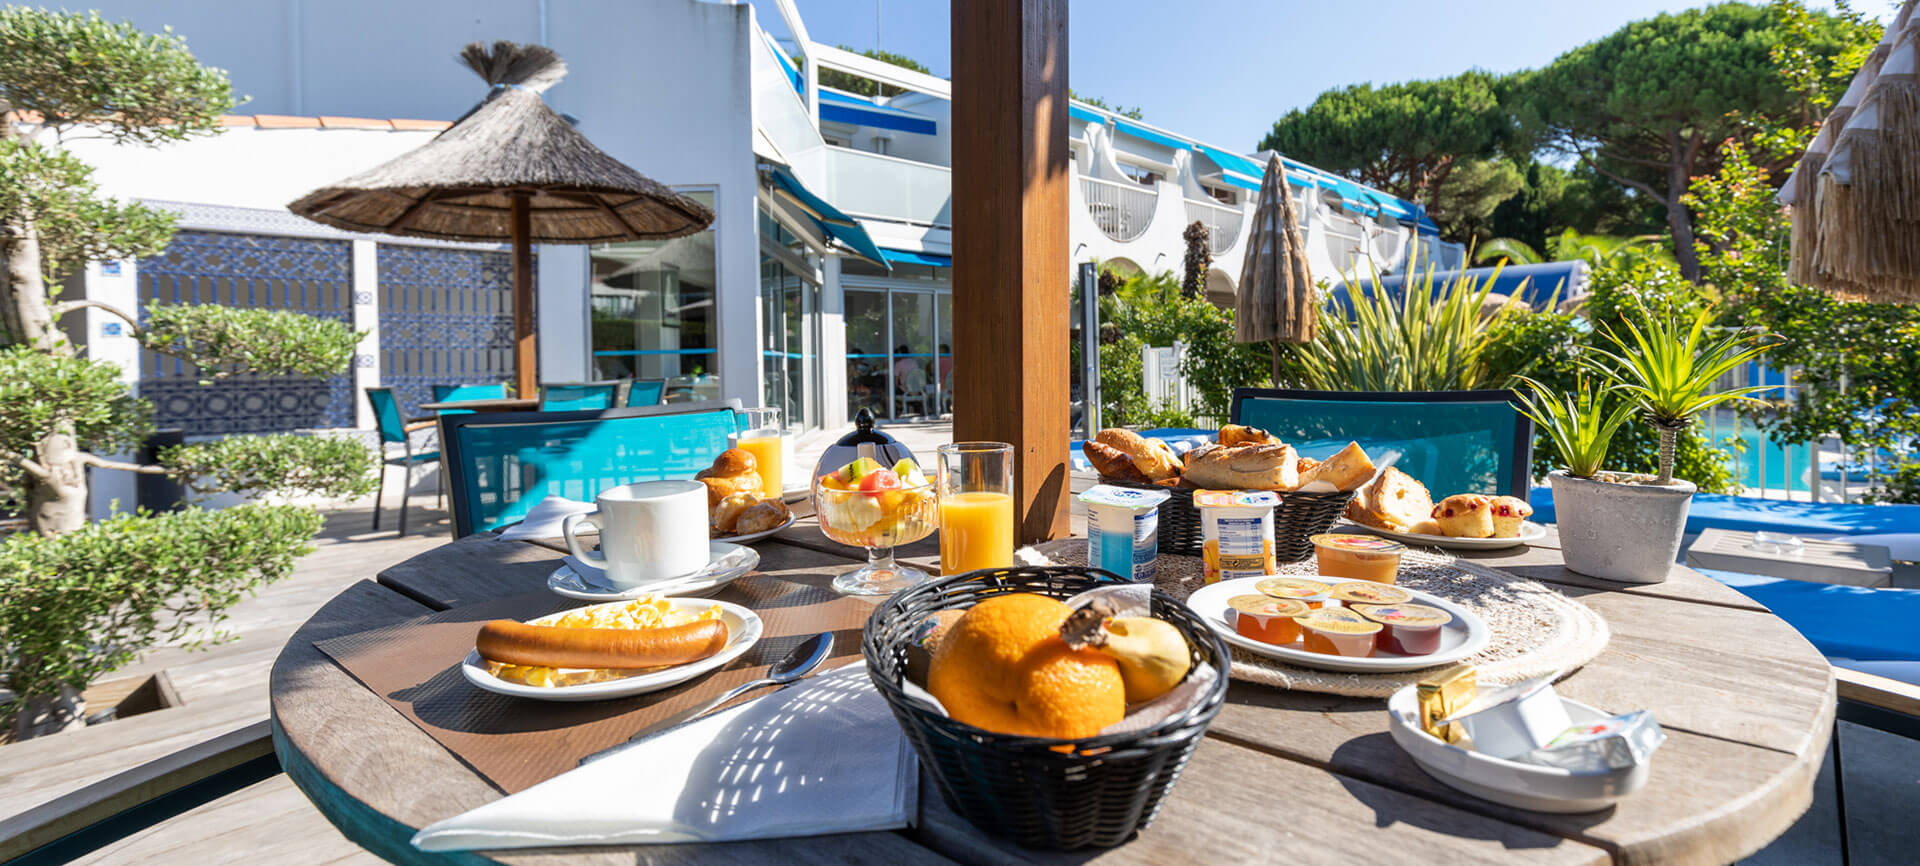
x=1222 y=221
x=1122 y=210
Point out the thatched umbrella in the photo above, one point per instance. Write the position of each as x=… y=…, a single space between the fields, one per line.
x=1276 y=298
x=1856 y=193
x=511 y=170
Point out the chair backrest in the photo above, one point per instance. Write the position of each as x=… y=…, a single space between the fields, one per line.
x=500 y=465
x=386 y=415
x=646 y=392
x=455 y=393
x=580 y=396
x=1451 y=441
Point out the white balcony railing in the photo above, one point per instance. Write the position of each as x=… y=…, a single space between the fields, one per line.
x=1222 y=222
x=1122 y=210
x=887 y=187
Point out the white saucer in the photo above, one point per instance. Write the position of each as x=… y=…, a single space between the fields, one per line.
x=1529 y=532
x=756 y=536
x=743 y=631
x=1514 y=783
x=727 y=562
x=1462 y=637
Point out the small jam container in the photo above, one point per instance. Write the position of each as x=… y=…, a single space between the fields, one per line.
x=1410 y=629
x=1513 y=721
x=1367 y=592
x=1314 y=593
x=1267 y=619
x=1336 y=631
x=1123 y=529
x=1358 y=557
x=1237 y=527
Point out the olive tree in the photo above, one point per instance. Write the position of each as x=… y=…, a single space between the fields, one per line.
x=78 y=599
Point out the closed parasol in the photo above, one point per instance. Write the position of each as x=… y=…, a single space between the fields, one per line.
x=511 y=170
x=1856 y=193
x=1276 y=298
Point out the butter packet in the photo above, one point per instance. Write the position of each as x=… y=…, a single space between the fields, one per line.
x=1624 y=741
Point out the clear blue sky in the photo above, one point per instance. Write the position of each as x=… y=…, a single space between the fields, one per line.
x=1223 y=71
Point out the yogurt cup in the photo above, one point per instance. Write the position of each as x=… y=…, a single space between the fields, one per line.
x=1237 y=528
x=1336 y=631
x=1265 y=618
x=1314 y=593
x=1409 y=629
x=1123 y=529
x=1354 y=592
x=1358 y=557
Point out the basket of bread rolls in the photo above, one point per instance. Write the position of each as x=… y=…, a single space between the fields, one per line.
x=1313 y=493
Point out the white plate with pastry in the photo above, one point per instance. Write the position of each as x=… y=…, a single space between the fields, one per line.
x=633 y=632
x=1529 y=532
x=1462 y=635
x=726 y=562
x=751 y=537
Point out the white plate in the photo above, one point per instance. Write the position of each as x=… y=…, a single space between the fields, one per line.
x=726 y=563
x=1462 y=637
x=743 y=631
x=756 y=536
x=1529 y=532
x=1514 y=783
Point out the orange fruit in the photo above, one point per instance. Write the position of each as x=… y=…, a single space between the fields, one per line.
x=1004 y=668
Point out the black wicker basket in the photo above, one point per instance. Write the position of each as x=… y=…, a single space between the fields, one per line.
x=1299 y=516
x=1019 y=788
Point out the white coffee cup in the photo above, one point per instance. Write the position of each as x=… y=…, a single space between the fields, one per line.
x=650 y=531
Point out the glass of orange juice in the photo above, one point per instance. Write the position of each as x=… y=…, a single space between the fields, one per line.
x=762 y=433
x=976 y=506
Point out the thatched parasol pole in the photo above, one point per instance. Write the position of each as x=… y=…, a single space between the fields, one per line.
x=526 y=343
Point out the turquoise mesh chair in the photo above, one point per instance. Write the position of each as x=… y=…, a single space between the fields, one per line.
x=580 y=396
x=1451 y=441
x=455 y=393
x=394 y=429
x=646 y=392
x=500 y=465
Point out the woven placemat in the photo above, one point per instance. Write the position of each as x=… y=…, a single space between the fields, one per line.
x=1535 y=629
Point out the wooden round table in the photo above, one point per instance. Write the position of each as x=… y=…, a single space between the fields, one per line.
x=1747 y=704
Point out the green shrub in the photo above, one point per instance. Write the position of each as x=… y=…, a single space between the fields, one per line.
x=1151 y=311
x=1429 y=338
x=75 y=606
x=287 y=463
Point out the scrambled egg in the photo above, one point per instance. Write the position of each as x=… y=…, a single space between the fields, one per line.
x=644 y=612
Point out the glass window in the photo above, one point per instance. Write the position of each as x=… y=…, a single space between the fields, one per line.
x=943 y=367
x=914 y=389
x=868 y=370
x=790 y=323
x=653 y=313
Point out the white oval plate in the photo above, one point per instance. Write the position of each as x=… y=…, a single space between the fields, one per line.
x=743 y=631
x=726 y=563
x=1529 y=532
x=756 y=536
x=1462 y=637
x=1514 y=783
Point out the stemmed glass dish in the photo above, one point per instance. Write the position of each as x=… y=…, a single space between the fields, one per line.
x=878 y=510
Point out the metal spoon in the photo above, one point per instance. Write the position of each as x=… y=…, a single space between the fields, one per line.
x=795 y=666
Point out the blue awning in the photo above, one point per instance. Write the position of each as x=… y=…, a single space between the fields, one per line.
x=1080 y=112
x=907 y=257
x=847 y=108
x=1145 y=134
x=833 y=222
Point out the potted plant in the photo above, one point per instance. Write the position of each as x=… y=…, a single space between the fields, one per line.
x=1623 y=526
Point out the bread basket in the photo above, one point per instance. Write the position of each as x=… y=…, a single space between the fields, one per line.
x=1298 y=518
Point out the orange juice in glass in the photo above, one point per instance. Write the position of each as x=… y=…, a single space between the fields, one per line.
x=976 y=506
x=763 y=435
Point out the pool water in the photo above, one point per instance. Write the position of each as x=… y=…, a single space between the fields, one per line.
x=1786 y=466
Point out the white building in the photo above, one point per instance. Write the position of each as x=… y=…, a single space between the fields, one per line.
x=822 y=286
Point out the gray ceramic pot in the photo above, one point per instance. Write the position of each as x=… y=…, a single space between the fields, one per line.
x=1625 y=532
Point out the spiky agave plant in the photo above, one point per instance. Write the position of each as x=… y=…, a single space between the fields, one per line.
x=1430 y=338
x=1671 y=369
x=1580 y=424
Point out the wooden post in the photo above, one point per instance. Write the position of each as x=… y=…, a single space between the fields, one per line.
x=1010 y=271
x=526 y=344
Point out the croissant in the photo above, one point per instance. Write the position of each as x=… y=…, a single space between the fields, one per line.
x=1111 y=463
x=1152 y=457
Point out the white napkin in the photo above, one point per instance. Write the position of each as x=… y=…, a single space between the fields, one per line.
x=824 y=756
x=543 y=521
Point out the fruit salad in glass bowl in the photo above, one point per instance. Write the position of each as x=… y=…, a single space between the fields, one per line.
x=865 y=504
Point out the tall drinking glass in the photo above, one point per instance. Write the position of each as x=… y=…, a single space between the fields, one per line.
x=976 y=506
x=763 y=434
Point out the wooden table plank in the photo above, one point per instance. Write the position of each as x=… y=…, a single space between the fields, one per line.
x=1224 y=809
x=1541 y=561
x=379 y=778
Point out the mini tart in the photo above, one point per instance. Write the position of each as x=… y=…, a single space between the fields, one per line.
x=1338 y=632
x=1357 y=592
x=1267 y=619
x=1313 y=592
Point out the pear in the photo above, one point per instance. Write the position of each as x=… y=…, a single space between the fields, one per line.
x=1152 y=653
